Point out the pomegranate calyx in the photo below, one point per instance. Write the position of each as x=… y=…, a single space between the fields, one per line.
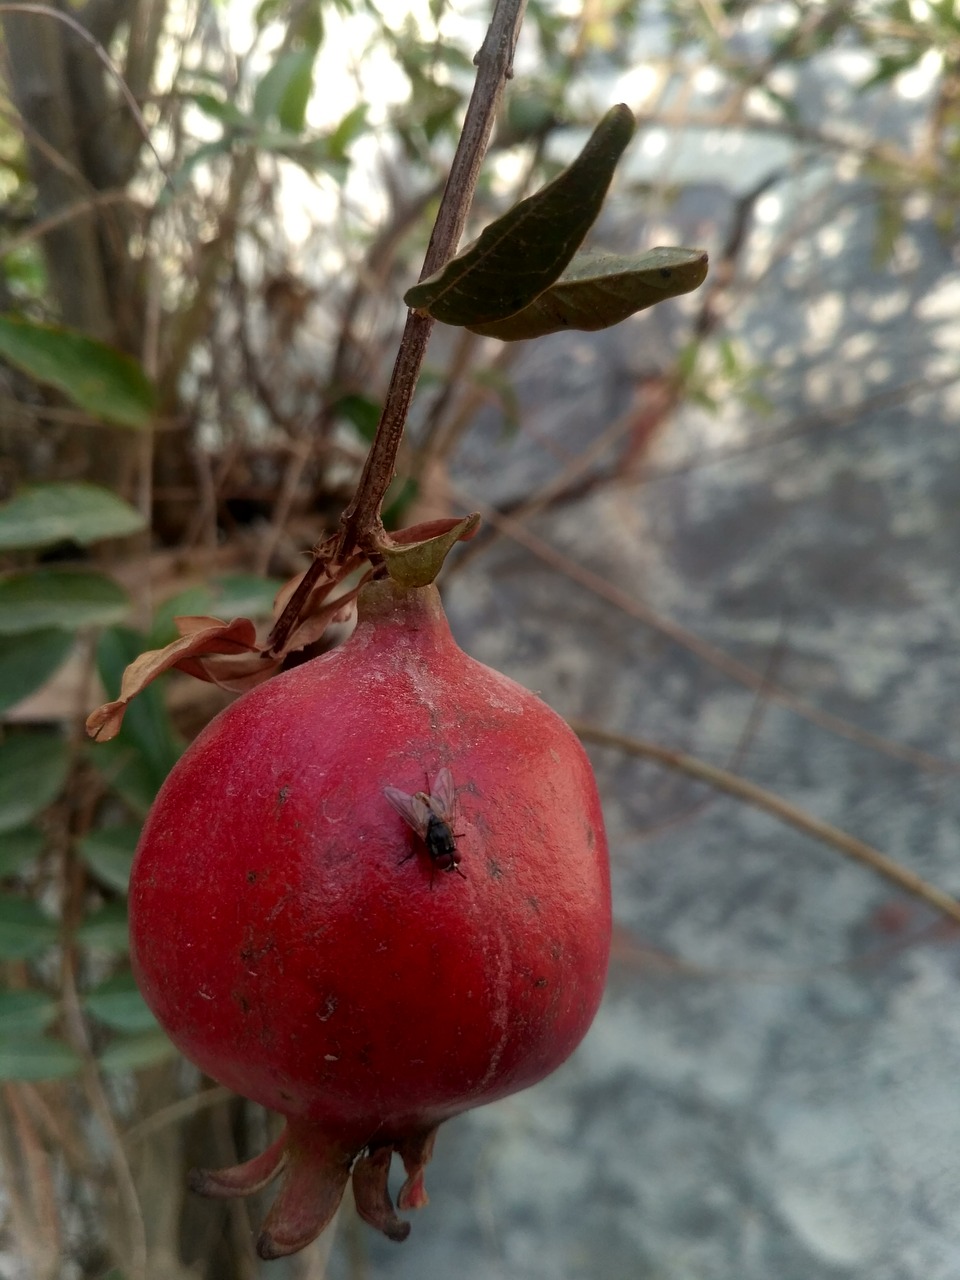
x=416 y=1153
x=242 y=1179
x=372 y=1195
x=313 y=1183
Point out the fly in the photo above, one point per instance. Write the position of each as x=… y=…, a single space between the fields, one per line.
x=431 y=814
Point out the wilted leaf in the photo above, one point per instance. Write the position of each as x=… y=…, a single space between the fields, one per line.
x=129 y=1053
x=36 y=1058
x=17 y=848
x=33 y=768
x=24 y=930
x=64 y=598
x=598 y=290
x=523 y=253
x=27 y=660
x=148 y=745
x=100 y=379
x=25 y=1011
x=205 y=636
x=118 y=1004
x=109 y=853
x=148 y=728
x=47 y=513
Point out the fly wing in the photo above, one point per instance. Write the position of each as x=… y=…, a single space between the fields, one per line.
x=412 y=809
x=443 y=795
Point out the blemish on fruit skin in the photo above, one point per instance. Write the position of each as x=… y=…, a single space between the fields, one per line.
x=282 y=795
x=251 y=877
x=329 y=1008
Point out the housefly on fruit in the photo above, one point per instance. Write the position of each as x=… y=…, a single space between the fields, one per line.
x=431 y=815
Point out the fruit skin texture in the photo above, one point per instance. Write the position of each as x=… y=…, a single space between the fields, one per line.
x=294 y=951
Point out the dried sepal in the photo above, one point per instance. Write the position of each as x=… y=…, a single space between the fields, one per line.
x=416 y=1153
x=372 y=1195
x=242 y=1179
x=415 y=556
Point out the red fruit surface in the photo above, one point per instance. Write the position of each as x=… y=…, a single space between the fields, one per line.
x=294 y=938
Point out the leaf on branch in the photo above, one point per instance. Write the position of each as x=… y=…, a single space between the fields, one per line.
x=521 y=254
x=598 y=290
x=101 y=380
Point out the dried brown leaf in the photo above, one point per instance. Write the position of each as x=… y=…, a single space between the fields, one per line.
x=202 y=636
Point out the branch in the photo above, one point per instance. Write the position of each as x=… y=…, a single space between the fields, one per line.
x=360 y=524
x=749 y=792
x=361 y=520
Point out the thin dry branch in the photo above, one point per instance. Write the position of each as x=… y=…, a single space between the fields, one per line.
x=773 y=804
x=703 y=649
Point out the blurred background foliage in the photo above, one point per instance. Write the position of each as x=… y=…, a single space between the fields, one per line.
x=201 y=265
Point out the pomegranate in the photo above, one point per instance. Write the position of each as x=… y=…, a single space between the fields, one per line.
x=296 y=932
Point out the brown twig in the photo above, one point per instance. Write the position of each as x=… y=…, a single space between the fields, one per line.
x=773 y=804
x=360 y=523
x=494 y=67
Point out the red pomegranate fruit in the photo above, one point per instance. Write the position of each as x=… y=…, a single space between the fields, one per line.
x=297 y=930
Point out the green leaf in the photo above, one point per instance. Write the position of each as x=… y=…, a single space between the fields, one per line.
x=64 y=598
x=109 y=852
x=353 y=124
x=284 y=91
x=33 y=769
x=129 y=1053
x=362 y=412
x=25 y=1011
x=24 y=930
x=36 y=1058
x=524 y=252
x=28 y=660
x=107 y=929
x=598 y=290
x=100 y=379
x=118 y=1004
x=224 y=112
x=47 y=513
x=19 y=847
